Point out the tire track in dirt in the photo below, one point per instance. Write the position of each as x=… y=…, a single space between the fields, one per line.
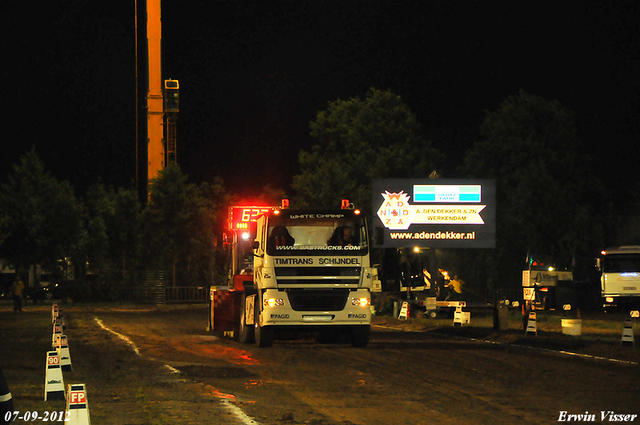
x=409 y=374
x=494 y=382
x=224 y=402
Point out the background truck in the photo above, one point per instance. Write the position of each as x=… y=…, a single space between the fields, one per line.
x=547 y=289
x=620 y=277
x=304 y=270
x=407 y=276
x=410 y=275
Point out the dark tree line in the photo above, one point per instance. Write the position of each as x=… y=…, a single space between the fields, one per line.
x=549 y=203
x=109 y=234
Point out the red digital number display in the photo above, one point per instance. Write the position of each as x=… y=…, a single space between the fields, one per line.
x=240 y=217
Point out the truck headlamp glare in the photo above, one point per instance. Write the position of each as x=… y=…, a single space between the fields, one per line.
x=361 y=302
x=273 y=302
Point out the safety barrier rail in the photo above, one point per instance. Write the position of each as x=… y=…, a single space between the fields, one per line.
x=186 y=294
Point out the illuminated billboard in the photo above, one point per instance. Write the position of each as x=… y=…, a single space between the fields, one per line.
x=435 y=213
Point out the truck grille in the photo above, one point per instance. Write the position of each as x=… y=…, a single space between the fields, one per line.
x=318 y=271
x=292 y=277
x=318 y=299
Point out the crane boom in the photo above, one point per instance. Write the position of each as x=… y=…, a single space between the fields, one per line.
x=155 y=107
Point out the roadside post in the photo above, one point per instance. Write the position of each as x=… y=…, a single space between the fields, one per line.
x=62 y=347
x=404 y=311
x=77 y=405
x=53 y=382
x=57 y=331
x=627 y=333
x=54 y=312
x=532 y=328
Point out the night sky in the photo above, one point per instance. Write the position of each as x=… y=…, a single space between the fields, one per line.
x=253 y=74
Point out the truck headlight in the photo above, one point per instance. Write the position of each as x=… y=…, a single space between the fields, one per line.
x=361 y=302
x=609 y=299
x=273 y=302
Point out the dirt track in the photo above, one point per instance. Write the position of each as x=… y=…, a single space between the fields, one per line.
x=184 y=375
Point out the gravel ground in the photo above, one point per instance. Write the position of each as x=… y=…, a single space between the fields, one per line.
x=159 y=365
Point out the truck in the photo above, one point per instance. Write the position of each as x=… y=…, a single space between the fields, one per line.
x=619 y=269
x=546 y=288
x=417 y=283
x=410 y=276
x=299 y=270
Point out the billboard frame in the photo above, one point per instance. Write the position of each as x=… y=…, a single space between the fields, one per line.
x=434 y=213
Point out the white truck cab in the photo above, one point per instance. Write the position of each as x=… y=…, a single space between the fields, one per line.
x=311 y=271
x=620 y=276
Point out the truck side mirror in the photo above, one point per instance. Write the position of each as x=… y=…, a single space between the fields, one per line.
x=256 y=245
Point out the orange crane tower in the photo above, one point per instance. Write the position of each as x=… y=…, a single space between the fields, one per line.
x=155 y=106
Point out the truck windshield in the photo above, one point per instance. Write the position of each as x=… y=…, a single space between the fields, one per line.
x=620 y=263
x=319 y=233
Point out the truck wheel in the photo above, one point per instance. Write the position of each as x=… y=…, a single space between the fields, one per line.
x=360 y=336
x=247 y=333
x=433 y=314
x=263 y=334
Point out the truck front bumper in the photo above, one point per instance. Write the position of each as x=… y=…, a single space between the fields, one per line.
x=279 y=312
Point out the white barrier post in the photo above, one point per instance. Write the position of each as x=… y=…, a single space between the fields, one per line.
x=53 y=382
x=627 y=333
x=57 y=330
x=77 y=405
x=532 y=329
x=457 y=316
x=62 y=347
x=404 y=311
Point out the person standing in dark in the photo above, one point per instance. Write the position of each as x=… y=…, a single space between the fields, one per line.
x=17 y=290
x=441 y=284
x=455 y=289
